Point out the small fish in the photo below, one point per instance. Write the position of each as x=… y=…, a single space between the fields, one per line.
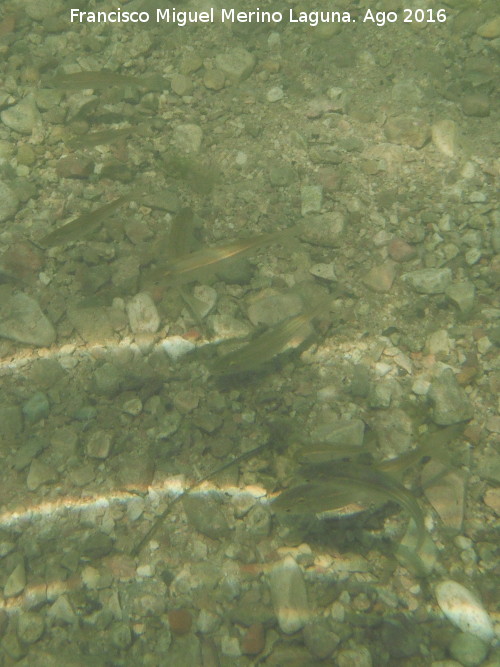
x=188 y=267
x=289 y=333
x=100 y=80
x=99 y=138
x=348 y=483
x=82 y=226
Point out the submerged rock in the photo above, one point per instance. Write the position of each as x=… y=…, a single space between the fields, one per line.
x=288 y=592
x=21 y=319
x=451 y=404
x=464 y=610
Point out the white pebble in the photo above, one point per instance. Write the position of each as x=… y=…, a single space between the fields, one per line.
x=464 y=610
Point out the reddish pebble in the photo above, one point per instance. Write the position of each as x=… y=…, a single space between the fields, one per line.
x=180 y=621
x=400 y=251
x=253 y=640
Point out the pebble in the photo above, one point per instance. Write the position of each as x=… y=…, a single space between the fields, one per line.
x=311 y=198
x=206 y=298
x=142 y=314
x=450 y=402
x=492 y=500
x=463 y=295
x=354 y=657
x=325 y=230
x=400 y=251
x=428 y=281
x=323 y=271
x=349 y=432
x=121 y=636
x=408 y=130
x=61 y=612
x=444 y=137
x=181 y=85
x=180 y=621
x=288 y=592
x=464 y=610
x=99 y=445
x=30 y=627
x=214 y=79
x=275 y=94
x=39 y=474
x=187 y=138
x=490 y=29
x=237 y=64
x=476 y=105
x=22 y=320
x=472 y=256
x=438 y=342
x=177 y=346
x=74 y=166
x=270 y=309
x=36 y=407
x=16 y=581
x=204 y=513
x=9 y=202
x=23 y=117
x=380 y=278
x=319 y=639
x=468 y=649
x=253 y=641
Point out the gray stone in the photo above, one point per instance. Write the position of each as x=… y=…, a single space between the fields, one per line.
x=311 y=198
x=168 y=425
x=61 y=612
x=288 y=593
x=409 y=130
x=11 y=419
x=319 y=639
x=92 y=324
x=36 y=407
x=444 y=137
x=237 y=64
x=187 y=138
x=9 y=202
x=206 y=516
x=97 y=545
x=30 y=627
x=354 y=657
x=445 y=490
x=468 y=649
x=451 y=404
x=107 y=379
x=16 y=581
x=22 y=320
x=99 y=445
x=39 y=474
x=142 y=314
x=270 y=309
x=121 y=635
x=23 y=117
x=348 y=432
x=428 y=281
x=462 y=295
x=324 y=230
